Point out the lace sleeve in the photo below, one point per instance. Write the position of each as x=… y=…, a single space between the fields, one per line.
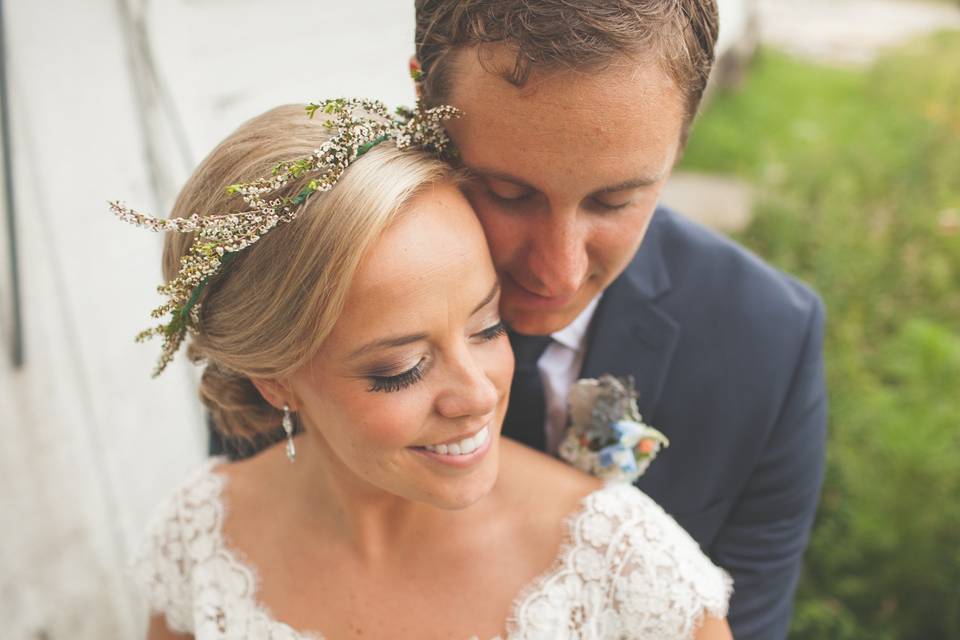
x=662 y=583
x=627 y=571
x=179 y=534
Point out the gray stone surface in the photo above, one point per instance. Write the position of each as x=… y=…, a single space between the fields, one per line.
x=836 y=32
x=849 y=32
x=720 y=202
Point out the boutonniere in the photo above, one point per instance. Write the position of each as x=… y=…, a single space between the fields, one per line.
x=607 y=437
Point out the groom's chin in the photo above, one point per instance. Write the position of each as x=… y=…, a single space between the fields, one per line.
x=537 y=323
x=535 y=315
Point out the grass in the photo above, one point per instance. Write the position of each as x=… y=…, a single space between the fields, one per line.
x=859 y=176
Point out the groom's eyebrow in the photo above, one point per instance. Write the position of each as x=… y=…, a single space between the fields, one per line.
x=633 y=183
x=499 y=175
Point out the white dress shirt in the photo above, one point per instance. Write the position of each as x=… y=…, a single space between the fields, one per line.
x=559 y=367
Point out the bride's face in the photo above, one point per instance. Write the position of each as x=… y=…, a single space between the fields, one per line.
x=417 y=361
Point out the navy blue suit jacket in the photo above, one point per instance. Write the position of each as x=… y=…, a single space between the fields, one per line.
x=726 y=353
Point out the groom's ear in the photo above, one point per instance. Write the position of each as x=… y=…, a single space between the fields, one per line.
x=416 y=74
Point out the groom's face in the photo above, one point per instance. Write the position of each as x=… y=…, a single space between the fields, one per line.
x=570 y=167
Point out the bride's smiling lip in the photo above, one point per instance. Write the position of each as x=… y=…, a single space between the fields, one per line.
x=451 y=456
x=456 y=439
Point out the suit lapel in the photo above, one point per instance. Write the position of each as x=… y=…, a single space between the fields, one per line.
x=630 y=334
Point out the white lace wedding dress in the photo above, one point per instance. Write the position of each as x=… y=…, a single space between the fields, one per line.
x=627 y=571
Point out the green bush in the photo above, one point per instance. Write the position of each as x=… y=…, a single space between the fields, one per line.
x=884 y=561
x=859 y=176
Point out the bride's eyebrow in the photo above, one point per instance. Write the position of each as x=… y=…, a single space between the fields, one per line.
x=400 y=341
x=387 y=343
x=488 y=298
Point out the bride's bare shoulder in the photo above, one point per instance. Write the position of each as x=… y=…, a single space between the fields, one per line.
x=530 y=475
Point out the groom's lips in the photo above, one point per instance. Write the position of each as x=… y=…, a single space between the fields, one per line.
x=531 y=300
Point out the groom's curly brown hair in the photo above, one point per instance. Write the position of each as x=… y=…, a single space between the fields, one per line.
x=580 y=34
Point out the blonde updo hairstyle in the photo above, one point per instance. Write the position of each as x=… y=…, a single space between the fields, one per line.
x=267 y=312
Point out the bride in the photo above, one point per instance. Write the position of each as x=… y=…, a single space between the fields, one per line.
x=363 y=317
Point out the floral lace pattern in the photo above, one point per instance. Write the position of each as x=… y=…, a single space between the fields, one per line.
x=626 y=571
x=189 y=574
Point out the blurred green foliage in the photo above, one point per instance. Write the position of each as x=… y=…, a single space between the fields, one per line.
x=859 y=180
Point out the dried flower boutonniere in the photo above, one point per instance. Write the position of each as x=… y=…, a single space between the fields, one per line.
x=607 y=437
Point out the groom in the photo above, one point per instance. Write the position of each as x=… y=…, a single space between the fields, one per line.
x=575 y=114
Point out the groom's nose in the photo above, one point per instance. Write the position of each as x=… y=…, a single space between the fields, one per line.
x=557 y=253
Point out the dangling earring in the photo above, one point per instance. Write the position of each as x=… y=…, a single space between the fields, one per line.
x=288 y=428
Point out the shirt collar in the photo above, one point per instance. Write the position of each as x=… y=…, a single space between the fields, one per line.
x=574 y=335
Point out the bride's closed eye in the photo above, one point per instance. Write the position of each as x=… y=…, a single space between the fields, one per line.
x=493 y=332
x=413 y=375
x=389 y=384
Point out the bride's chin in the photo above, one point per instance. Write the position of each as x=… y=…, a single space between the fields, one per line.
x=462 y=493
x=457 y=503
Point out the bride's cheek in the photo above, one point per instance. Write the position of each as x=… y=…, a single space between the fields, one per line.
x=501 y=367
x=394 y=421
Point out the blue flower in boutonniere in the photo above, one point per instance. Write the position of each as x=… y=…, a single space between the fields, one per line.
x=607 y=437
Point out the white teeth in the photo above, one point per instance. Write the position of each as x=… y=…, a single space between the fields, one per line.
x=464 y=447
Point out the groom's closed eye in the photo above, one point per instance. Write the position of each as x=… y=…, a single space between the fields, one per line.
x=610 y=201
x=622 y=195
x=505 y=191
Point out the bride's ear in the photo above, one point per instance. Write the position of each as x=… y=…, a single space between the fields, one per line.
x=275 y=392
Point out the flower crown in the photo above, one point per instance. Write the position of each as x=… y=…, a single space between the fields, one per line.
x=360 y=125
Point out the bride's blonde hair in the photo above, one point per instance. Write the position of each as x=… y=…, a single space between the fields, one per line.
x=269 y=311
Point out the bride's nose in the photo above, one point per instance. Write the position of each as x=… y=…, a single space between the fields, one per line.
x=467 y=389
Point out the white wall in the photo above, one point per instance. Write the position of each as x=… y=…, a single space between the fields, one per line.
x=91 y=443
x=735 y=17
x=78 y=420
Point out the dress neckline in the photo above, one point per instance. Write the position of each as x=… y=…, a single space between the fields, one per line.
x=236 y=560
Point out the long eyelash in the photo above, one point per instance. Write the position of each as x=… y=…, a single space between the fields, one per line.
x=389 y=384
x=494 y=332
